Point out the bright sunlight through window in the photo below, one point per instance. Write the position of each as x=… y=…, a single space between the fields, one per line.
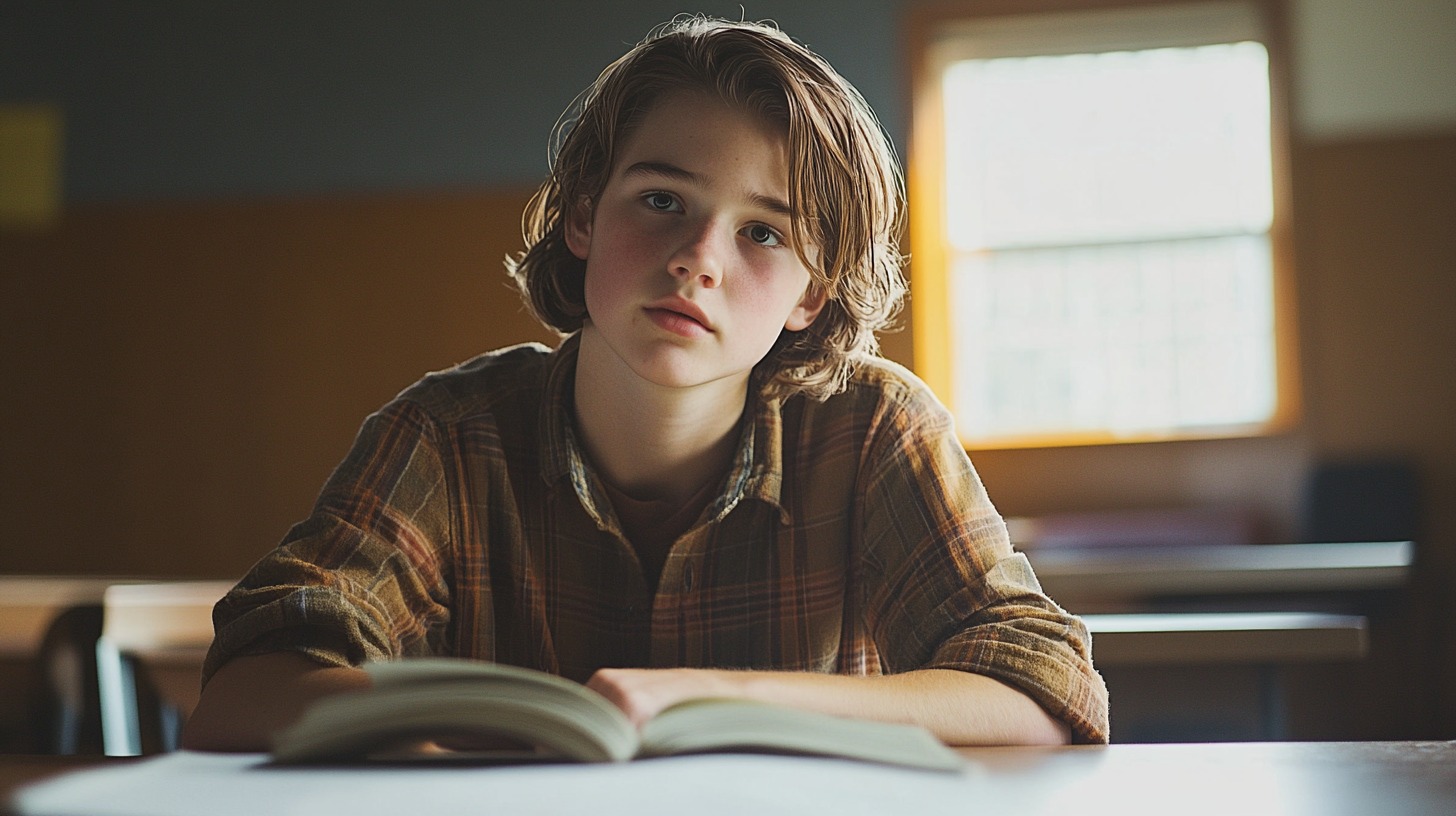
x=1106 y=243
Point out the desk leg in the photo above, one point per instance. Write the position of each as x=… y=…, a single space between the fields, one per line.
x=121 y=733
x=1276 y=712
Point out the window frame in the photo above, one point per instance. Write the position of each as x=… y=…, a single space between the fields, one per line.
x=930 y=248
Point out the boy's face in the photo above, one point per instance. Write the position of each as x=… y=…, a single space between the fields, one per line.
x=690 y=276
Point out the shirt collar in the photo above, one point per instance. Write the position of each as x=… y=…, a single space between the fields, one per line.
x=758 y=463
x=562 y=456
x=756 y=471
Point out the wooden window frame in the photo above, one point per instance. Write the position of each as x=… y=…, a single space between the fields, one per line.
x=930 y=300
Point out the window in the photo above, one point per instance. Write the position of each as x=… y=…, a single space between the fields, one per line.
x=1096 y=225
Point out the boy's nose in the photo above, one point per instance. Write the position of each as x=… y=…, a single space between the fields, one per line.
x=700 y=256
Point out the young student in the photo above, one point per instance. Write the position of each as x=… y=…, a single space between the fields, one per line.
x=713 y=486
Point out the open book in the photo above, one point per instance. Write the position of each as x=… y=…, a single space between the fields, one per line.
x=416 y=700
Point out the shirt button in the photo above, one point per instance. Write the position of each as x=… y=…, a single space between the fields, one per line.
x=687 y=578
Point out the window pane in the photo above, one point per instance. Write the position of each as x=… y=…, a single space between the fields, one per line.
x=1127 y=338
x=1117 y=146
x=1107 y=217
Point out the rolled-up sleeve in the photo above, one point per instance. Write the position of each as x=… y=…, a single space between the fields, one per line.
x=365 y=576
x=945 y=589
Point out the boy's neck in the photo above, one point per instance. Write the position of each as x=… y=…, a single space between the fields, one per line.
x=648 y=441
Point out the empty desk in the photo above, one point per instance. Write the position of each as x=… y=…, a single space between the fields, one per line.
x=48 y=630
x=1212 y=676
x=162 y=631
x=1264 y=638
x=30 y=603
x=1117 y=578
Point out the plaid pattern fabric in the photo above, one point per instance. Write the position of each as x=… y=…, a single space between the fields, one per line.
x=850 y=536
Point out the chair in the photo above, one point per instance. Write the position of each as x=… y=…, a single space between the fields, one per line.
x=48 y=626
x=154 y=638
x=1367 y=499
x=65 y=713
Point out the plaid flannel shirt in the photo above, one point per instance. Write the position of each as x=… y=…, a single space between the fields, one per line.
x=850 y=536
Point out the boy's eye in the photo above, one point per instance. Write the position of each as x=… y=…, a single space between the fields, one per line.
x=764 y=236
x=662 y=202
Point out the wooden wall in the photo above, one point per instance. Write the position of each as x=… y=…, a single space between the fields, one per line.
x=1378 y=291
x=180 y=377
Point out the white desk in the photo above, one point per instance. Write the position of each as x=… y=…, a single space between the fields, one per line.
x=1231 y=779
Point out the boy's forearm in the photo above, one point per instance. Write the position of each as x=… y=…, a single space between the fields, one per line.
x=958 y=707
x=250 y=698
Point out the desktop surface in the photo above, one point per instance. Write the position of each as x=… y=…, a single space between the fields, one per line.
x=1241 y=779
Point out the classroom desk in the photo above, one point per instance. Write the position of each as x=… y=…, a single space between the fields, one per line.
x=164 y=630
x=28 y=604
x=163 y=626
x=1240 y=779
x=1202 y=639
x=1120 y=579
x=23 y=769
x=1225 y=638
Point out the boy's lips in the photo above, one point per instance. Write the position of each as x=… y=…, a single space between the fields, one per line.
x=676 y=308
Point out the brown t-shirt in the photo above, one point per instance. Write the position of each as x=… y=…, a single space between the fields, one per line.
x=652 y=525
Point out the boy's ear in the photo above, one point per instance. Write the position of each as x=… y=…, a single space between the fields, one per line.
x=578 y=228
x=808 y=308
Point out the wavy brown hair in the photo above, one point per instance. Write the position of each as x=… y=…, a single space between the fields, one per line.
x=846 y=192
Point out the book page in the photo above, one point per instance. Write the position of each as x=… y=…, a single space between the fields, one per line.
x=432 y=698
x=707 y=725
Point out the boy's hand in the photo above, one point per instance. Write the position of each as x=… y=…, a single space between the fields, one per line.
x=644 y=693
